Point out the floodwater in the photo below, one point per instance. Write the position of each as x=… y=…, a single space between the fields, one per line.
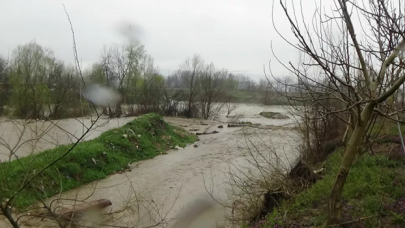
x=185 y=188
x=23 y=138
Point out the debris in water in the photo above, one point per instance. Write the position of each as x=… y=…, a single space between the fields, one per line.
x=207 y=133
x=274 y=115
x=78 y=209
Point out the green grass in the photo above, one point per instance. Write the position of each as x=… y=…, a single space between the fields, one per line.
x=243 y=94
x=374 y=187
x=143 y=138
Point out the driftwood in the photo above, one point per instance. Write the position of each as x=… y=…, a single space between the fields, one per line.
x=248 y=124
x=238 y=125
x=78 y=209
x=207 y=133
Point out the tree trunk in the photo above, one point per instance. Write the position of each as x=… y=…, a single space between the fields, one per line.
x=334 y=205
x=189 y=112
x=7 y=213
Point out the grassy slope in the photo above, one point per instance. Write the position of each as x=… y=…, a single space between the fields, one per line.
x=374 y=193
x=143 y=138
x=369 y=191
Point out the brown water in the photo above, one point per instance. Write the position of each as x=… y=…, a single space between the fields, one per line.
x=173 y=190
x=27 y=137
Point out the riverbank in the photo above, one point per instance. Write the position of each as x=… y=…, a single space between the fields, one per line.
x=173 y=189
x=373 y=195
x=26 y=137
x=77 y=164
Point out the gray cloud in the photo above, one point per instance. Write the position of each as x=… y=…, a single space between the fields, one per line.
x=233 y=34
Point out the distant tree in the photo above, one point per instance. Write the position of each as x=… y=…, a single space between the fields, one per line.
x=173 y=81
x=97 y=75
x=151 y=86
x=30 y=69
x=264 y=88
x=4 y=87
x=3 y=70
x=211 y=90
x=230 y=105
x=121 y=63
x=231 y=82
x=190 y=72
x=42 y=87
x=119 y=67
x=64 y=102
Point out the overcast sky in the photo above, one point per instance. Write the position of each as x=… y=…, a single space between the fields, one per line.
x=232 y=34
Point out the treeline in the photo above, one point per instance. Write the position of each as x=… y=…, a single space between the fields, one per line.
x=34 y=84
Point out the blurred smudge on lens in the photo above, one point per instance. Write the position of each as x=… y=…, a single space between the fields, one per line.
x=101 y=95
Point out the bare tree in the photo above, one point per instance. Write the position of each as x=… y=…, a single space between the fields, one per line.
x=4 y=84
x=190 y=71
x=151 y=88
x=211 y=90
x=120 y=66
x=362 y=73
x=230 y=106
x=264 y=88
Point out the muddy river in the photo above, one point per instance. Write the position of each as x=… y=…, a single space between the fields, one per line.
x=173 y=190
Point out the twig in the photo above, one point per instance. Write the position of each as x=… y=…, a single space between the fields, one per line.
x=353 y=221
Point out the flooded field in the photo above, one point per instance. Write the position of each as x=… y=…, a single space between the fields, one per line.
x=173 y=190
